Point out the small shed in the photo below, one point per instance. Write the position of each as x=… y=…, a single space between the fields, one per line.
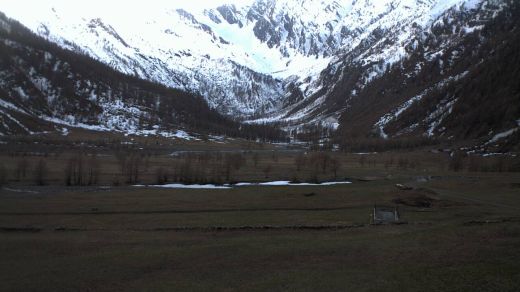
x=385 y=215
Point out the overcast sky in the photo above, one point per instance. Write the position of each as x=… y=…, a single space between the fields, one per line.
x=117 y=12
x=111 y=4
x=105 y=7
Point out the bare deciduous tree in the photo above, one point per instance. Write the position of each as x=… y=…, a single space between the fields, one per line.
x=362 y=160
x=21 y=168
x=267 y=170
x=325 y=158
x=335 y=165
x=79 y=173
x=3 y=175
x=299 y=161
x=40 y=172
x=161 y=175
x=93 y=170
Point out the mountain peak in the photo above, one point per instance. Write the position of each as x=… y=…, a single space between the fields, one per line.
x=294 y=61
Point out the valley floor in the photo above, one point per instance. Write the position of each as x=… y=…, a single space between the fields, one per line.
x=462 y=233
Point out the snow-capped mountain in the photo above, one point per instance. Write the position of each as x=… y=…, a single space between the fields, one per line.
x=198 y=50
x=238 y=56
x=45 y=88
x=458 y=82
x=371 y=37
x=295 y=62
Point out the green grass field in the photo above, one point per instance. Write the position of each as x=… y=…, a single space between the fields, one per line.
x=124 y=238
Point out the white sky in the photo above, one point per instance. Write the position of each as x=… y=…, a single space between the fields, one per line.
x=116 y=5
x=107 y=7
x=143 y=23
x=115 y=11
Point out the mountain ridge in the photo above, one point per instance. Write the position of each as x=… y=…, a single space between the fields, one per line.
x=298 y=63
x=263 y=37
x=44 y=87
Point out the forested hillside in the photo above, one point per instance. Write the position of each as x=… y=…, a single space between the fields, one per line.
x=44 y=87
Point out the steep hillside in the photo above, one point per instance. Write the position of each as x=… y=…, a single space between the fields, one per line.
x=45 y=88
x=459 y=83
x=371 y=36
x=376 y=68
x=256 y=59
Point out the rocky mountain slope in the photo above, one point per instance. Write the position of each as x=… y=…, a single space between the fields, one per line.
x=458 y=82
x=257 y=51
x=46 y=88
x=369 y=67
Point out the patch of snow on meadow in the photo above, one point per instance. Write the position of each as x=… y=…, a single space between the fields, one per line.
x=241 y=184
x=183 y=186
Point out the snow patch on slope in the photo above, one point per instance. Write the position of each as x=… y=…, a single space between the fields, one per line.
x=394 y=115
x=502 y=135
x=196 y=49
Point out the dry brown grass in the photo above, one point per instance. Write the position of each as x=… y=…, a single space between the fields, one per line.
x=117 y=245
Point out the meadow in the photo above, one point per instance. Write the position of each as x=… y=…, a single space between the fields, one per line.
x=459 y=229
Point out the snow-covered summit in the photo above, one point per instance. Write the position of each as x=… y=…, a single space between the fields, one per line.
x=240 y=56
